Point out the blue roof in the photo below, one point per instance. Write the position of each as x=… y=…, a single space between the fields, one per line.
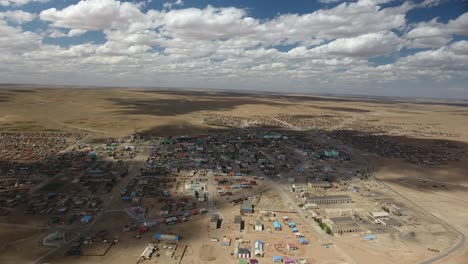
x=294 y=229
x=277 y=258
x=276 y=224
x=86 y=218
x=302 y=239
x=259 y=241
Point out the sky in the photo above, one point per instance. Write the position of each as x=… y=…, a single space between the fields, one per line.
x=413 y=48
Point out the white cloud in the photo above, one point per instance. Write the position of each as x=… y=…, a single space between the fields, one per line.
x=365 y=46
x=14 y=40
x=328 y=1
x=17 y=16
x=430 y=3
x=198 y=46
x=460 y=47
x=19 y=2
x=433 y=34
x=94 y=15
x=55 y=33
x=168 y=5
x=76 y=32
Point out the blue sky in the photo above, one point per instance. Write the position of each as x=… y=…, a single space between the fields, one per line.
x=373 y=47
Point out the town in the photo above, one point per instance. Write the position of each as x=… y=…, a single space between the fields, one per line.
x=252 y=195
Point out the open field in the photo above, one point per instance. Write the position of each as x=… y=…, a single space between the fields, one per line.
x=117 y=112
x=139 y=162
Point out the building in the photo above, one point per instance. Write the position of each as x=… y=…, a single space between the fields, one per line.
x=148 y=251
x=238 y=223
x=277 y=259
x=259 y=248
x=329 y=199
x=198 y=186
x=247 y=207
x=319 y=184
x=86 y=219
x=214 y=221
x=303 y=241
x=226 y=241
x=291 y=246
x=167 y=238
x=378 y=215
x=343 y=225
x=277 y=225
x=258 y=225
x=243 y=253
x=388 y=222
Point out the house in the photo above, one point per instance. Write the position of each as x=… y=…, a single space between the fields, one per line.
x=289 y=260
x=247 y=207
x=258 y=225
x=214 y=221
x=259 y=248
x=277 y=225
x=86 y=219
x=298 y=235
x=238 y=222
x=277 y=259
x=253 y=261
x=243 y=253
x=302 y=241
x=148 y=252
x=226 y=241
x=171 y=220
x=167 y=238
x=291 y=246
x=295 y=230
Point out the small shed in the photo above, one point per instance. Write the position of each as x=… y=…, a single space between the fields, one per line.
x=289 y=260
x=295 y=230
x=253 y=261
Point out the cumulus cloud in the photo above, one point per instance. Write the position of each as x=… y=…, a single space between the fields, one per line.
x=193 y=46
x=433 y=34
x=94 y=15
x=14 y=40
x=17 y=16
x=365 y=46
